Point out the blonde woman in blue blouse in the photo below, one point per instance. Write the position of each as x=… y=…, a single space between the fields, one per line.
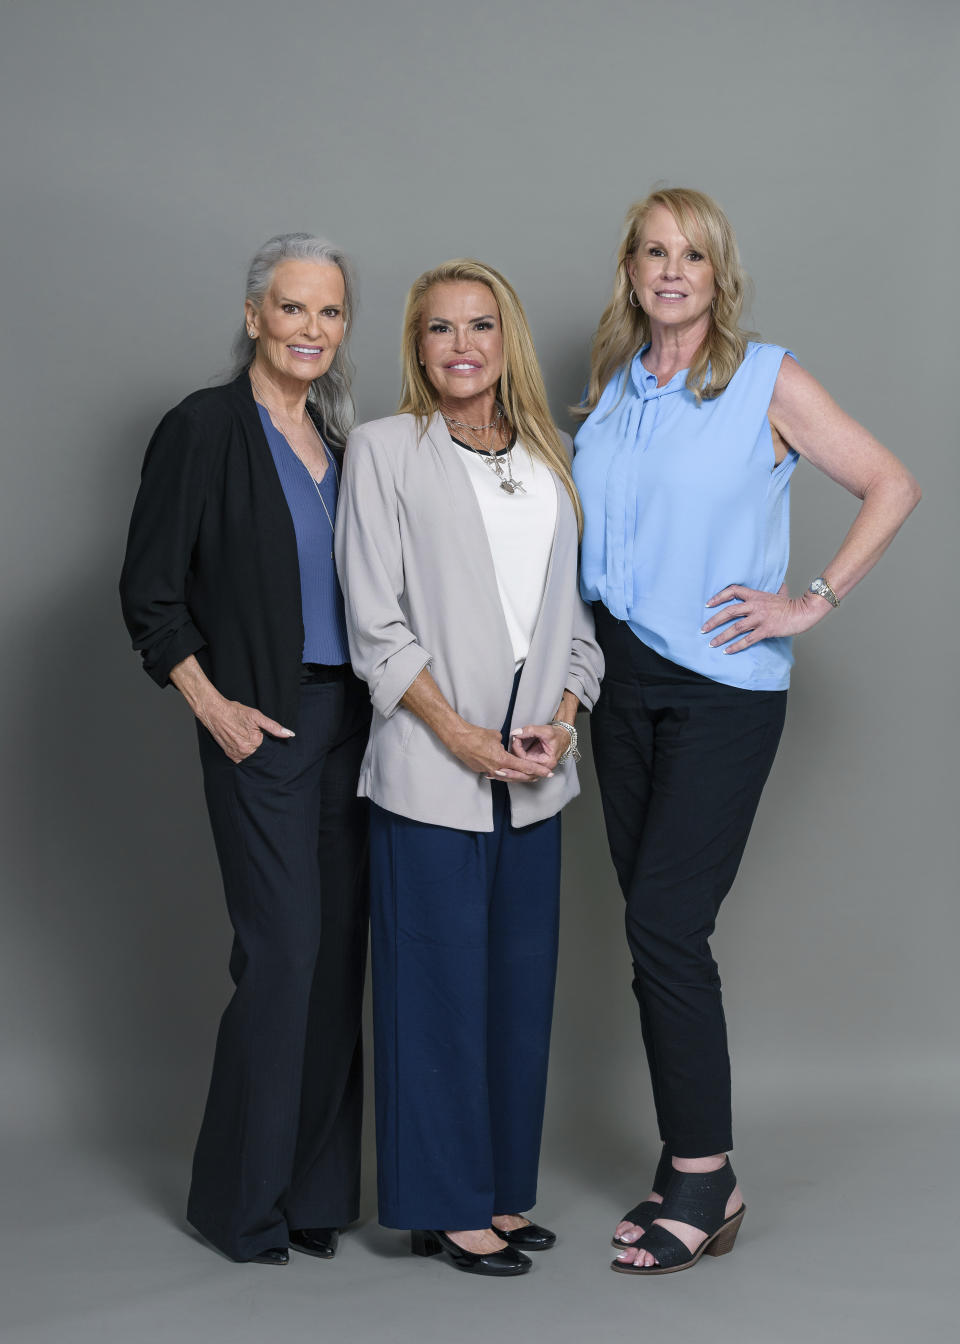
x=683 y=463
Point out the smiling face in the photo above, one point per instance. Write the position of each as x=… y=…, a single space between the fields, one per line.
x=461 y=342
x=673 y=278
x=301 y=323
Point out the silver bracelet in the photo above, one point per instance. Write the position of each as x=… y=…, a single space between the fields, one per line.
x=571 y=750
x=823 y=589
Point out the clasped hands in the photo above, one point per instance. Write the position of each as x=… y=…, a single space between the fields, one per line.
x=534 y=752
x=753 y=615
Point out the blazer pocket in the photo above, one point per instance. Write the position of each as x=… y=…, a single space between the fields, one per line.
x=406 y=726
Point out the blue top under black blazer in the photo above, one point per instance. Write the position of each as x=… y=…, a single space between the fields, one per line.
x=211 y=565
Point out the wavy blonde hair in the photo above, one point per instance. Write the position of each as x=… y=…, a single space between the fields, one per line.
x=520 y=390
x=624 y=329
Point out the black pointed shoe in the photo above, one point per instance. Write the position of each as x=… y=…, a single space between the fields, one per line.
x=533 y=1237
x=275 y=1255
x=319 y=1241
x=505 y=1264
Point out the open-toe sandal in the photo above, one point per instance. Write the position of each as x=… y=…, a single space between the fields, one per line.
x=642 y=1215
x=698 y=1198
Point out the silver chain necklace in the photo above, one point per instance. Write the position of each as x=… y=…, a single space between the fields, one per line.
x=491 y=457
x=331 y=460
x=462 y=424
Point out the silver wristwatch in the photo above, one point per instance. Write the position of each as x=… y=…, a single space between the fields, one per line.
x=823 y=589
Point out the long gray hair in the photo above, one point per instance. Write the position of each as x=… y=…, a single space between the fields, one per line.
x=330 y=394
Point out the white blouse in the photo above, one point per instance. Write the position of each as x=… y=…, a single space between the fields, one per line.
x=520 y=528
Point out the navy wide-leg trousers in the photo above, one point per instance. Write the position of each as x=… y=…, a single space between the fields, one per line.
x=681 y=763
x=279 y=1147
x=464 y=955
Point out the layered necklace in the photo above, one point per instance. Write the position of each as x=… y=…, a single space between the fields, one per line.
x=493 y=457
x=258 y=392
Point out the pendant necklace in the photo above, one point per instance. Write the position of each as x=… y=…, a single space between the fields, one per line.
x=492 y=459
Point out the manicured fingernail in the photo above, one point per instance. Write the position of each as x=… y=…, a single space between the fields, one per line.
x=501 y=772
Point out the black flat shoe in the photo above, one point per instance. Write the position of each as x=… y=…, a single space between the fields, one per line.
x=533 y=1237
x=319 y=1241
x=276 y=1255
x=505 y=1264
x=643 y=1214
x=698 y=1198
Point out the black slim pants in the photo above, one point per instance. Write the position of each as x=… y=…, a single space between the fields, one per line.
x=681 y=762
x=279 y=1147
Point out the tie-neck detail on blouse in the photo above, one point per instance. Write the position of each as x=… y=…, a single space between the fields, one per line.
x=646 y=382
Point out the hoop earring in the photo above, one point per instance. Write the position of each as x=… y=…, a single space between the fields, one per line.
x=632 y=299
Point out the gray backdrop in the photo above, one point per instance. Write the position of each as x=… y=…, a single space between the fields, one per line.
x=148 y=149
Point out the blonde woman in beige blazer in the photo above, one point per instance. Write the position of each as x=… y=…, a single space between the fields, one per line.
x=457 y=539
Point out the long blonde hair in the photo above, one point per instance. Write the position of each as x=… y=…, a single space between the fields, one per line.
x=624 y=329
x=520 y=390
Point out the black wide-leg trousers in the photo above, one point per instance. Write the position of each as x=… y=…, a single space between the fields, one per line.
x=681 y=762
x=279 y=1147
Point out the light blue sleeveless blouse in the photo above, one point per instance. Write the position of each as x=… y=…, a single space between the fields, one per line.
x=682 y=500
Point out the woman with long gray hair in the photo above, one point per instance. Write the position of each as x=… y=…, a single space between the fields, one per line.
x=230 y=592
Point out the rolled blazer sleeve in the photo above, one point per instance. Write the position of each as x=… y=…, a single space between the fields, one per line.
x=586 y=658
x=384 y=650
x=163 y=531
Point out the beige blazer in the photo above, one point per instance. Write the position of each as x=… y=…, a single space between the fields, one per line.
x=420 y=591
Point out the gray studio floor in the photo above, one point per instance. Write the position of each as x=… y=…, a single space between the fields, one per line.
x=847 y=1238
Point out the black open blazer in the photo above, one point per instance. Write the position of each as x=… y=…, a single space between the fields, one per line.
x=211 y=565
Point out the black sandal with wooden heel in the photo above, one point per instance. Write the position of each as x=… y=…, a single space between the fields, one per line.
x=698 y=1198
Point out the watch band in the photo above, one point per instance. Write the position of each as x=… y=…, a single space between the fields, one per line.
x=823 y=589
